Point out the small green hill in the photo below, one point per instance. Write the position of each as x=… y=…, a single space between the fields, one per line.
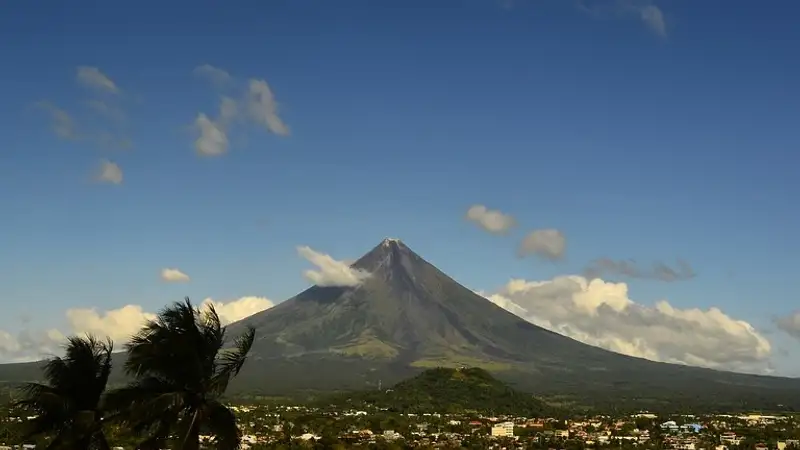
x=446 y=390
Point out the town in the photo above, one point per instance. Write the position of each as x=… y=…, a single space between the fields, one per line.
x=264 y=427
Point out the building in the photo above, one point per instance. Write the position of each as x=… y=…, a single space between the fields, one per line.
x=503 y=429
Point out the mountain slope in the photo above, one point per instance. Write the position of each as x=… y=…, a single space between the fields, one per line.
x=409 y=315
x=409 y=311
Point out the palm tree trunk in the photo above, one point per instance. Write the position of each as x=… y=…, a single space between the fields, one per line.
x=192 y=439
x=100 y=442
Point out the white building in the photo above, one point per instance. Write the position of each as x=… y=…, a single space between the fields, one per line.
x=503 y=429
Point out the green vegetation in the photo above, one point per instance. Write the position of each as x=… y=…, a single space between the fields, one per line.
x=445 y=390
x=179 y=371
x=68 y=408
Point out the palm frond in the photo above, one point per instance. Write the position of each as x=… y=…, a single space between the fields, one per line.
x=143 y=402
x=157 y=434
x=42 y=398
x=82 y=373
x=213 y=338
x=105 y=365
x=230 y=361
x=172 y=347
x=68 y=406
x=221 y=422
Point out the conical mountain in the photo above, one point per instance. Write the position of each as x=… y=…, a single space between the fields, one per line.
x=408 y=315
x=406 y=310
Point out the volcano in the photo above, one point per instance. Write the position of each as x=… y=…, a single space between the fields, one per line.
x=406 y=311
x=407 y=316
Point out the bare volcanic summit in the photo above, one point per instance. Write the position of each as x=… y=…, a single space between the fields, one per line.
x=407 y=315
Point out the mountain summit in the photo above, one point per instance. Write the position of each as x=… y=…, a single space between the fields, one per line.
x=405 y=311
x=407 y=315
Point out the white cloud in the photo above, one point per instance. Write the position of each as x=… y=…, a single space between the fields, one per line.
x=236 y=310
x=107 y=110
x=172 y=275
x=109 y=172
x=547 y=243
x=331 y=272
x=108 y=134
x=228 y=110
x=62 y=123
x=28 y=345
x=256 y=104
x=600 y=313
x=263 y=109
x=490 y=220
x=92 y=77
x=118 y=324
x=645 y=10
x=653 y=17
x=789 y=324
x=213 y=139
x=629 y=268
x=213 y=74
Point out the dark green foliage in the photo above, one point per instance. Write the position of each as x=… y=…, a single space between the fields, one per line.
x=443 y=390
x=68 y=407
x=181 y=371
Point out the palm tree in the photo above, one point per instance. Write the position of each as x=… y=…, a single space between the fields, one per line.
x=68 y=407
x=181 y=371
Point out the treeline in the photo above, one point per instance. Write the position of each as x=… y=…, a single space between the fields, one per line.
x=179 y=364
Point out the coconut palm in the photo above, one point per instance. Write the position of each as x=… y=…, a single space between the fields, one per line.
x=68 y=407
x=181 y=367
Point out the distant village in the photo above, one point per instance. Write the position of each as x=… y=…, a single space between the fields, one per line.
x=683 y=432
x=277 y=426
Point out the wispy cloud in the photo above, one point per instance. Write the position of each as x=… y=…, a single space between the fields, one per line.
x=109 y=172
x=263 y=108
x=330 y=271
x=61 y=122
x=254 y=103
x=214 y=74
x=490 y=220
x=110 y=133
x=107 y=110
x=653 y=17
x=789 y=324
x=213 y=138
x=174 y=275
x=547 y=243
x=644 y=10
x=93 y=78
x=631 y=269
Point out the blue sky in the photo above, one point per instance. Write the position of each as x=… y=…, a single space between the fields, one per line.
x=647 y=130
